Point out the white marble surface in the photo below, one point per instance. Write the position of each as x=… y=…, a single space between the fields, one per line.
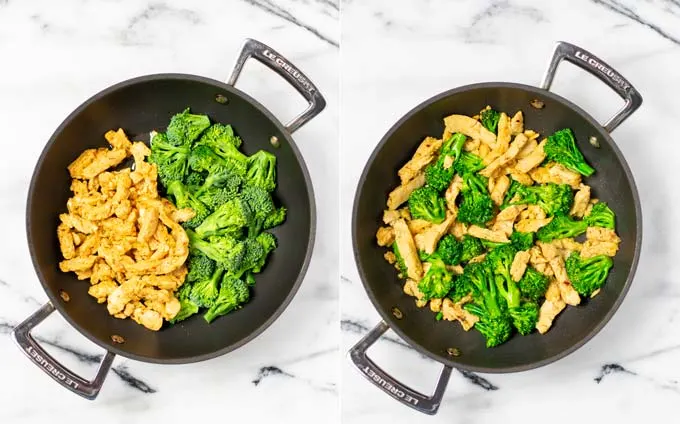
x=53 y=56
x=397 y=54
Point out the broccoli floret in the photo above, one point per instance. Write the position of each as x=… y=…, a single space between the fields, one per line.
x=510 y=194
x=561 y=148
x=494 y=321
x=233 y=293
x=401 y=264
x=262 y=170
x=439 y=174
x=554 y=199
x=476 y=206
x=472 y=247
x=560 y=227
x=589 y=274
x=204 y=292
x=468 y=163
x=449 y=250
x=170 y=160
x=462 y=286
x=220 y=134
x=200 y=266
x=185 y=127
x=185 y=199
x=601 y=216
x=268 y=243
x=489 y=119
x=524 y=317
x=533 y=284
x=194 y=180
x=522 y=241
x=204 y=159
x=426 y=203
x=255 y=255
x=227 y=251
x=228 y=218
x=490 y=245
x=437 y=282
x=262 y=206
x=214 y=197
x=187 y=309
x=275 y=219
x=235 y=161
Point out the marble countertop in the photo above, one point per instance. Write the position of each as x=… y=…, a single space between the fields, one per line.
x=56 y=55
x=397 y=54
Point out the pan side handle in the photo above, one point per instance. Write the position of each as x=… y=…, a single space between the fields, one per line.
x=62 y=375
x=402 y=393
x=282 y=66
x=600 y=69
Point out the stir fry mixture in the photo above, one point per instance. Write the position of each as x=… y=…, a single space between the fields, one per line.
x=157 y=259
x=497 y=230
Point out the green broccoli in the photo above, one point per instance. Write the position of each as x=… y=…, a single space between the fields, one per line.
x=533 y=284
x=220 y=134
x=463 y=286
x=437 y=282
x=262 y=206
x=524 y=317
x=200 y=266
x=426 y=203
x=510 y=194
x=255 y=254
x=449 y=250
x=589 y=274
x=490 y=245
x=195 y=179
x=439 y=174
x=601 y=216
x=215 y=196
x=227 y=251
x=489 y=119
x=472 y=247
x=488 y=306
x=554 y=199
x=561 y=148
x=187 y=309
x=170 y=160
x=204 y=292
x=262 y=171
x=233 y=293
x=468 y=163
x=235 y=161
x=401 y=265
x=522 y=241
x=204 y=159
x=275 y=219
x=563 y=226
x=476 y=206
x=185 y=199
x=268 y=242
x=228 y=218
x=186 y=127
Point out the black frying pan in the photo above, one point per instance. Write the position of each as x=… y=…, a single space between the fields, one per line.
x=138 y=106
x=613 y=183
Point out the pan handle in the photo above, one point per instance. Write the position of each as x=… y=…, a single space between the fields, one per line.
x=282 y=66
x=404 y=394
x=78 y=385
x=605 y=73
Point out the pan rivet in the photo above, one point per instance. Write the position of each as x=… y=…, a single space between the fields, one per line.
x=453 y=351
x=64 y=295
x=275 y=141
x=537 y=104
x=594 y=141
x=117 y=339
x=221 y=99
x=397 y=313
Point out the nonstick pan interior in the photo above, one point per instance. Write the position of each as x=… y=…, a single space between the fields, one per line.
x=612 y=183
x=139 y=106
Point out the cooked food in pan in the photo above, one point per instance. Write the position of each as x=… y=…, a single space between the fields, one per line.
x=496 y=228
x=158 y=259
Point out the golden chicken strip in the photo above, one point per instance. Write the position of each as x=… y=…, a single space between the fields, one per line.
x=470 y=127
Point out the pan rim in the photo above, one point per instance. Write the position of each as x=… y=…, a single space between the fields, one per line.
x=55 y=299
x=391 y=321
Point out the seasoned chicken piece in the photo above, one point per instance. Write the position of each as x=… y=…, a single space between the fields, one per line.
x=517 y=123
x=148 y=222
x=502 y=140
x=424 y=155
x=510 y=213
x=548 y=250
x=455 y=312
x=407 y=248
x=417 y=226
x=390 y=257
x=581 y=200
x=389 y=216
x=456 y=269
x=483 y=151
x=148 y=318
x=529 y=225
x=531 y=161
x=505 y=227
x=80 y=224
x=567 y=291
x=528 y=148
x=385 y=236
x=458 y=229
x=103 y=160
x=602 y=234
x=470 y=127
x=411 y=289
x=520 y=177
x=89 y=245
x=536 y=256
x=550 y=308
x=66 y=243
x=77 y=167
x=589 y=208
x=594 y=248
x=556 y=173
x=452 y=192
x=99 y=212
x=118 y=139
x=478 y=258
x=428 y=239
x=126 y=293
x=102 y=290
x=182 y=215
x=486 y=234
x=472 y=145
x=499 y=189
x=79 y=263
x=505 y=158
x=400 y=194
x=435 y=305
x=568 y=245
x=519 y=265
